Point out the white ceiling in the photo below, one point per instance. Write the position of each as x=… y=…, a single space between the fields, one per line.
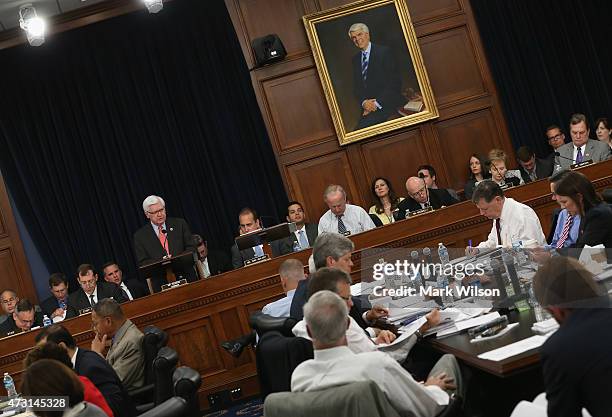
x=9 y=9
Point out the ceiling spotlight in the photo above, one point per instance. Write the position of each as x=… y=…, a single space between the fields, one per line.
x=33 y=25
x=154 y=6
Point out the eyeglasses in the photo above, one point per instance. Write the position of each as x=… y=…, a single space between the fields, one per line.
x=419 y=192
x=153 y=213
x=345 y=298
x=556 y=137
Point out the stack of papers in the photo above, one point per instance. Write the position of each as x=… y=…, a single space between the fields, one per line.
x=455 y=320
x=546 y=326
x=514 y=349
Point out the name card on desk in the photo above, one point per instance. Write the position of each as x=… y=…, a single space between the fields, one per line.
x=174 y=284
x=581 y=164
x=419 y=212
x=84 y=311
x=256 y=260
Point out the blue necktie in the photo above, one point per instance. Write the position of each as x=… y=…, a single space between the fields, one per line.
x=258 y=251
x=302 y=238
x=364 y=65
x=579 y=157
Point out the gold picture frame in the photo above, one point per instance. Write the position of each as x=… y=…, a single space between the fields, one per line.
x=388 y=89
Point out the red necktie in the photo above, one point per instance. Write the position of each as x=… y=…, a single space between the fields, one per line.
x=163 y=239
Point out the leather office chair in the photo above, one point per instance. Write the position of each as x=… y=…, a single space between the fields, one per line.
x=363 y=398
x=454 y=408
x=276 y=357
x=187 y=381
x=263 y=323
x=154 y=339
x=163 y=368
x=607 y=195
x=173 y=407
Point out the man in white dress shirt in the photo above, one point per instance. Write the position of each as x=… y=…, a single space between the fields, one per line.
x=343 y=218
x=291 y=272
x=512 y=221
x=334 y=364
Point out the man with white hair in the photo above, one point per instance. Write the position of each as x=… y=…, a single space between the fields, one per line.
x=163 y=238
x=342 y=217
x=334 y=364
x=376 y=80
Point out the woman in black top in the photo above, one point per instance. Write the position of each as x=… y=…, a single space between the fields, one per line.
x=477 y=174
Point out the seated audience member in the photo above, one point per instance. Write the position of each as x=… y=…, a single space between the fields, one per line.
x=132 y=288
x=335 y=364
x=565 y=226
x=603 y=131
x=385 y=201
x=576 y=193
x=428 y=173
x=581 y=148
x=339 y=282
x=420 y=197
x=499 y=173
x=52 y=351
x=532 y=168
x=209 y=262
x=89 y=364
x=334 y=251
x=291 y=272
x=477 y=173
x=24 y=317
x=555 y=137
x=56 y=307
x=305 y=233
x=50 y=378
x=512 y=221
x=576 y=359
x=9 y=300
x=249 y=222
x=125 y=354
x=92 y=290
x=162 y=237
x=343 y=218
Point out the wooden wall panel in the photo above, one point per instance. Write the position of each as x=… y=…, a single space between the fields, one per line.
x=290 y=98
x=393 y=157
x=318 y=173
x=452 y=67
x=298 y=119
x=8 y=271
x=462 y=136
x=195 y=343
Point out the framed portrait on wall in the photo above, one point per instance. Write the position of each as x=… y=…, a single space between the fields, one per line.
x=371 y=68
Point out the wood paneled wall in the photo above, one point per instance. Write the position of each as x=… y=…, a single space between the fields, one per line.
x=293 y=106
x=14 y=269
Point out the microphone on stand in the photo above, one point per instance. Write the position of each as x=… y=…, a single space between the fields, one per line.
x=573 y=161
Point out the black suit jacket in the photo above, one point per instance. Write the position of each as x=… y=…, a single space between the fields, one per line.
x=137 y=289
x=78 y=300
x=437 y=199
x=148 y=248
x=9 y=325
x=544 y=169
x=576 y=363
x=104 y=377
x=239 y=256
x=596 y=228
x=218 y=262
x=286 y=244
x=49 y=305
x=383 y=83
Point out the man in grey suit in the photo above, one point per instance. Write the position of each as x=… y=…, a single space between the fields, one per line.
x=125 y=354
x=581 y=148
x=305 y=233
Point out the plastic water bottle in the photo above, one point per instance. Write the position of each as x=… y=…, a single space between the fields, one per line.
x=443 y=254
x=63 y=305
x=47 y=321
x=442 y=280
x=9 y=386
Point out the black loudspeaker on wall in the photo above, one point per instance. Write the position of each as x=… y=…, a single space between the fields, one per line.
x=268 y=49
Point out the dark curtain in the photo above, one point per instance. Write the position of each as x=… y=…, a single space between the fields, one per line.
x=100 y=117
x=550 y=59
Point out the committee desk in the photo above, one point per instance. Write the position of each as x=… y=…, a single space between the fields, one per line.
x=201 y=315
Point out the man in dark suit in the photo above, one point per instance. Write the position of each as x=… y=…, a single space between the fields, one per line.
x=305 y=233
x=376 y=80
x=22 y=320
x=132 y=288
x=56 y=307
x=576 y=359
x=209 y=262
x=420 y=197
x=92 y=291
x=163 y=237
x=581 y=148
x=93 y=366
x=249 y=222
x=428 y=173
x=532 y=168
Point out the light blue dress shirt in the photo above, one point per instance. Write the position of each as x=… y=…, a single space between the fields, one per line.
x=573 y=233
x=279 y=308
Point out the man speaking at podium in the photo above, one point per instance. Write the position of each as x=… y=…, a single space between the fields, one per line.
x=161 y=238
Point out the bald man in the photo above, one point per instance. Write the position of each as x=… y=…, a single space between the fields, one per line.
x=420 y=197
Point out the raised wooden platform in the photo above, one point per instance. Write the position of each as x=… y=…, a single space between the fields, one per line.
x=199 y=316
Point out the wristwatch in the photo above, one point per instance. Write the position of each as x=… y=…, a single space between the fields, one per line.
x=419 y=335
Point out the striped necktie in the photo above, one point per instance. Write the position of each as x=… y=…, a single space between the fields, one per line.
x=341 y=226
x=579 y=157
x=565 y=232
x=364 y=65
